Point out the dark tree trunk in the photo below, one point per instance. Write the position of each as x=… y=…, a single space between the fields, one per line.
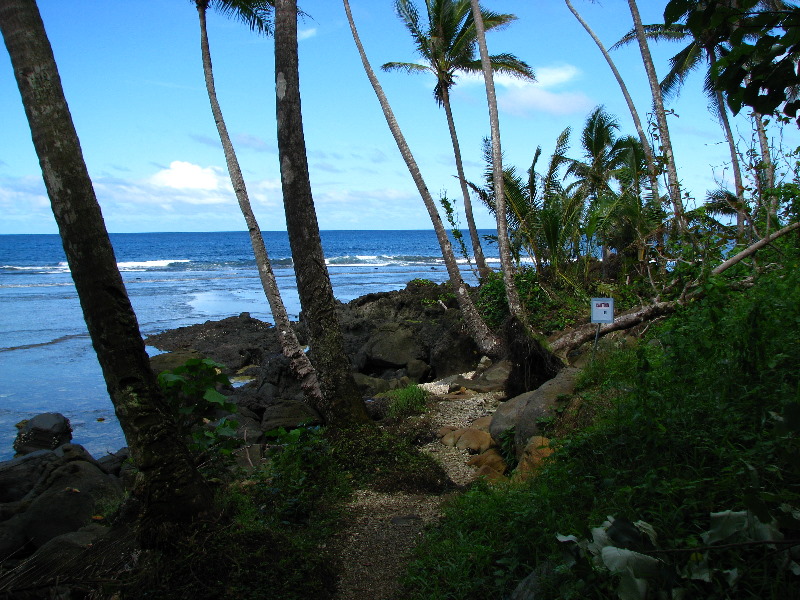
x=342 y=404
x=169 y=487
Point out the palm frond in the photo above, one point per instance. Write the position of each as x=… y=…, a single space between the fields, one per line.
x=657 y=33
x=257 y=15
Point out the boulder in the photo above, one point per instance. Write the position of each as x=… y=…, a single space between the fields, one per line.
x=63 y=492
x=371 y=386
x=172 y=360
x=390 y=346
x=541 y=403
x=234 y=342
x=288 y=414
x=491 y=379
x=19 y=475
x=491 y=458
x=482 y=423
x=533 y=455
x=43 y=432
x=417 y=370
x=112 y=463
x=507 y=414
x=489 y=473
x=474 y=440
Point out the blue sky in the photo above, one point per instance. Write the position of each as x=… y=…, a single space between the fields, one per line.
x=133 y=79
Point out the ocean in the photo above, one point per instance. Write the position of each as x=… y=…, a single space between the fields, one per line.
x=47 y=363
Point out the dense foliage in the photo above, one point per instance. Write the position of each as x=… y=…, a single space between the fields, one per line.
x=701 y=417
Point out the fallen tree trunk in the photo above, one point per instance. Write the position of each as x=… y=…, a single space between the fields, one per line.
x=576 y=337
x=753 y=248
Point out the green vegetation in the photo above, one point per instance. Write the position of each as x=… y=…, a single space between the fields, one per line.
x=191 y=391
x=271 y=532
x=407 y=401
x=692 y=458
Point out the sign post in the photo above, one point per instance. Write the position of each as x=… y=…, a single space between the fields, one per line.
x=602 y=312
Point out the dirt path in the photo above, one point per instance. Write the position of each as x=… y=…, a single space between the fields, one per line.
x=381 y=529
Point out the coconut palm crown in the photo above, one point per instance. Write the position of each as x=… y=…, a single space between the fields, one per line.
x=447 y=43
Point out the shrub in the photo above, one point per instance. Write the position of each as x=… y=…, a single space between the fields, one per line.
x=407 y=401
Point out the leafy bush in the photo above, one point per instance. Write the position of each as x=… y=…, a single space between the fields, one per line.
x=191 y=391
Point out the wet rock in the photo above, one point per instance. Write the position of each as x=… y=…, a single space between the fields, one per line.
x=43 y=432
x=19 y=475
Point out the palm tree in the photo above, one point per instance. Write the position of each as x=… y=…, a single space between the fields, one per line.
x=487 y=342
x=651 y=163
x=684 y=62
x=169 y=487
x=512 y=295
x=661 y=118
x=543 y=216
x=257 y=15
x=603 y=154
x=341 y=403
x=447 y=43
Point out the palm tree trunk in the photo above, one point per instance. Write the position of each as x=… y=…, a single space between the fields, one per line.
x=341 y=404
x=487 y=342
x=768 y=169
x=637 y=122
x=661 y=118
x=506 y=262
x=735 y=166
x=298 y=360
x=169 y=487
x=477 y=250
x=737 y=170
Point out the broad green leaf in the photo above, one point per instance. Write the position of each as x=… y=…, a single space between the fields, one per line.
x=214 y=396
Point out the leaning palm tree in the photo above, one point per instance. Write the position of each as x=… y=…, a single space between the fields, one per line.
x=341 y=404
x=653 y=168
x=446 y=41
x=256 y=14
x=512 y=296
x=688 y=59
x=487 y=342
x=673 y=184
x=168 y=485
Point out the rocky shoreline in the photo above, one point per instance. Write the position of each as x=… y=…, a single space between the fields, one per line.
x=52 y=493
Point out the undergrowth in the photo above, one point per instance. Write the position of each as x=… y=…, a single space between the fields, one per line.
x=700 y=419
x=272 y=531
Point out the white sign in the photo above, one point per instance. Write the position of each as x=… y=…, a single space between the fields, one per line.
x=602 y=310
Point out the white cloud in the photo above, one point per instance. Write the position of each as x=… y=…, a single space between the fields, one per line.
x=304 y=34
x=182 y=175
x=521 y=98
x=554 y=76
x=523 y=101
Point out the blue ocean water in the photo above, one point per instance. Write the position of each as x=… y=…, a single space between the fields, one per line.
x=47 y=363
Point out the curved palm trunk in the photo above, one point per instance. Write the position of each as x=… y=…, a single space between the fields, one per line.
x=769 y=170
x=477 y=250
x=341 y=404
x=661 y=118
x=514 y=304
x=737 y=171
x=299 y=362
x=487 y=342
x=651 y=163
x=169 y=487
x=719 y=99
